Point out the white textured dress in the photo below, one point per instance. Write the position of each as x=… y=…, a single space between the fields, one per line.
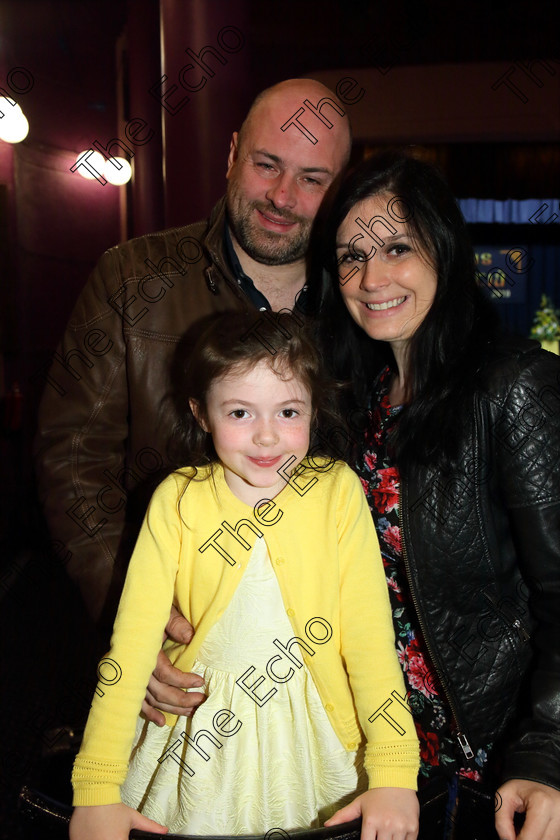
x=281 y=764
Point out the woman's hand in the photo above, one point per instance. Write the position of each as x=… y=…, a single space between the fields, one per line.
x=164 y=690
x=109 y=822
x=387 y=814
x=541 y=805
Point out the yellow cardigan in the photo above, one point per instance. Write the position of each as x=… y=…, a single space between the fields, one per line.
x=194 y=544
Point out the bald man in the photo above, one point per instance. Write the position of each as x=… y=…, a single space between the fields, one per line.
x=104 y=421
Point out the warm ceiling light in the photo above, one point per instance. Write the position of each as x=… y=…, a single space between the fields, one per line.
x=9 y=106
x=115 y=175
x=93 y=160
x=13 y=124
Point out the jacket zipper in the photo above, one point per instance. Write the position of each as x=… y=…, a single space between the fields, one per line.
x=521 y=630
x=460 y=736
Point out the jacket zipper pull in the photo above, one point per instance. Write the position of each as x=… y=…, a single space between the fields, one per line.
x=524 y=636
x=210 y=282
x=465 y=746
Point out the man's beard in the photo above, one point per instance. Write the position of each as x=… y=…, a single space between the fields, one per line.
x=265 y=246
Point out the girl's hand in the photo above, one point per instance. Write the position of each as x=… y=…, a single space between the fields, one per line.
x=109 y=822
x=387 y=814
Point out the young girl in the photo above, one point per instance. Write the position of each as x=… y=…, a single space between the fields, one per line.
x=273 y=558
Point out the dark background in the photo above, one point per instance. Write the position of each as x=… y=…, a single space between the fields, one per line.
x=430 y=74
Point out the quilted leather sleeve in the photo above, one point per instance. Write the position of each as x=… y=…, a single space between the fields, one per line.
x=527 y=441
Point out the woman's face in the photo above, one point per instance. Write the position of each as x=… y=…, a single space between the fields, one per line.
x=386 y=280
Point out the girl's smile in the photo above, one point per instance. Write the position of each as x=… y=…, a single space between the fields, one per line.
x=265 y=462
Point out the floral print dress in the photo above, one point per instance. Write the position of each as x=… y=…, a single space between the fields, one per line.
x=434 y=721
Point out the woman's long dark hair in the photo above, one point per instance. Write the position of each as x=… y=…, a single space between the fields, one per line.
x=450 y=345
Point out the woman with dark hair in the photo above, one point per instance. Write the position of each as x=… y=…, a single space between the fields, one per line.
x=458 y=450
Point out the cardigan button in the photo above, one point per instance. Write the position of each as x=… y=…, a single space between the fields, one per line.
x=351 y=745
x=279 y=561
x=290 y=612
x=329 y=707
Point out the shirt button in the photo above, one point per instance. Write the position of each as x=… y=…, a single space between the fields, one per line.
x=279 y=561
x=261 y=309
x=290 y=612
x=329 y=707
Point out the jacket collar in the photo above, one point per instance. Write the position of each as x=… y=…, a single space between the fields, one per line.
x=219 y=268
x=223 y=262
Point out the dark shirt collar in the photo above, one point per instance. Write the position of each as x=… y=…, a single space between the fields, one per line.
x=246 y=284
x=243 y=281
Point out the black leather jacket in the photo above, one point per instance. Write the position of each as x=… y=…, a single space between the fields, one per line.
x=482 y=550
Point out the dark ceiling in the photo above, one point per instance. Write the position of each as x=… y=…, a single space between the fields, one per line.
x=73 y=40
x=70 y=46
x=361 y=32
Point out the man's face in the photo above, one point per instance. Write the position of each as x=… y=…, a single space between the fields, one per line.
x=276 y=182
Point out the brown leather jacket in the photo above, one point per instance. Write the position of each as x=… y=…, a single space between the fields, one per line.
x=104 y=420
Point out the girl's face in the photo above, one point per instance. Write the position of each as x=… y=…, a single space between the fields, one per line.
x=388 y=288
x=260 y=427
